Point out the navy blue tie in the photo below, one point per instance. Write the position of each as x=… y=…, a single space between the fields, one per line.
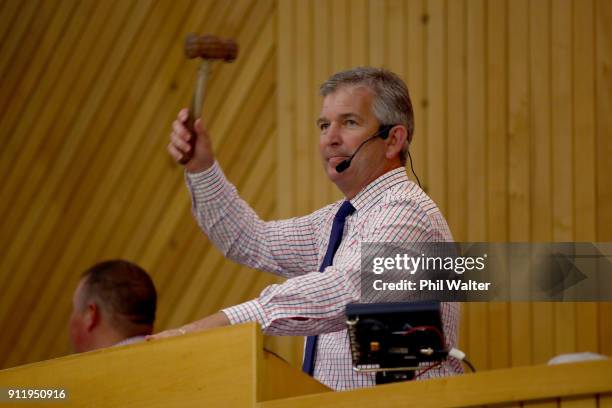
x=335 y=237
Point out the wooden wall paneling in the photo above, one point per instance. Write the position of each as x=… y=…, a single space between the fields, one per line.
x=148 y=173
x=340 y=31
x=562 y=147
x=15 y=130
x=110 y=118
x=457 y=103
x=46 y=151
x=233 y=19
x=98 y=165
x=395 y=26
x=230 y=139
x=153 y=176
x=305 y=91
x=34 y=32
x=179 y=266
x=8 y=12
x=603 y=94
x=162 y=245
x=34 y=156
x=540 y=71
x=359 y=33
x=128 y=98
x=232 y=102
x=497 y=167
x=583 y=20
x=562 y=121
x=436 y=128
x=476 y=165
x=377 y=38
x=136 y=152
x=583 y=92
x=43 y=123
x=245 y=86
x=476 y=121
x=541 y=226
x=321 y=70
x=340 y=58
x=118 y=206
x=497 y=120
x=603 y=142
x=94 y=96
x=415 y=77
x=456 y=106
x=286 y=40
x=155 y=171
x=8 y=228
x=585 y=208
x=519 y=168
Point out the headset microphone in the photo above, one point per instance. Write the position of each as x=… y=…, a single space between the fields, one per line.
x=383 y=133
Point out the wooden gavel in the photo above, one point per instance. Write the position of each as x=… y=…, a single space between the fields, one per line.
x=208 y=48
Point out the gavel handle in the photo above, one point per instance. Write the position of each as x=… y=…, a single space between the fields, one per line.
x=195 y=110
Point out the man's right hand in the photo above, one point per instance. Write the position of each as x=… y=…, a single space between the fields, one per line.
x=180 y=146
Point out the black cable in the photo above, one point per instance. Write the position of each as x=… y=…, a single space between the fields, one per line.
x=412 y=168
x=467 y=362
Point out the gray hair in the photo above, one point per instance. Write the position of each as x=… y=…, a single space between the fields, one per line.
x=391 y=106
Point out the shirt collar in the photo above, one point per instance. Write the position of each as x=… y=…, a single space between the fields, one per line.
x=373 y=192
x=130 y=340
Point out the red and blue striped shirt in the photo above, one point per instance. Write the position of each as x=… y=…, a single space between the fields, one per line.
x=390 y=209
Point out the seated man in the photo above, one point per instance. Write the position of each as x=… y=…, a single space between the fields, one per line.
x=114 y=304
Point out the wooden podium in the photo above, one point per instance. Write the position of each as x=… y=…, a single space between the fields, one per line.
x=225 y=367
x=228 y=367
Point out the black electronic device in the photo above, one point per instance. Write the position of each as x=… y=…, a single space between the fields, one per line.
x=395 y=339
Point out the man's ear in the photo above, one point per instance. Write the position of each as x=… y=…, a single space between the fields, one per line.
x=92 y=316
x=396 y=140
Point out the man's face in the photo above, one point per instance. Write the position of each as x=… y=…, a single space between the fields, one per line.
x=78 y=321
x=346 y=120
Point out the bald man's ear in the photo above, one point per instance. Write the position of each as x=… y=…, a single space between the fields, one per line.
x=92 y=316
x=396 y=140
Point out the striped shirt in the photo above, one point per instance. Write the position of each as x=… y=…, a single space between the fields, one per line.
x=390 y=209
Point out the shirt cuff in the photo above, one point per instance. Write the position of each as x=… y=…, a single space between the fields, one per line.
x=250 y=311
x=208 y=184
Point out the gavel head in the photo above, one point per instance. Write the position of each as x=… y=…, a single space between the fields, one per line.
x=210 y=48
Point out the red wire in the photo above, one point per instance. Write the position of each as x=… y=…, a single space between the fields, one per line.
x=439 y=363
x=425 y=328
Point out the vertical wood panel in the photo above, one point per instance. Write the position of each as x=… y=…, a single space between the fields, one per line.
x=497 y=166
x=377 y=33
x=519 y=165
x=436 y=127
x=457 y=105
x=476 y=164
x=562 y=148
x=321 y=70
x=603 y=89
x=541 y=200
x=603 y=94
x=305 y=93
x=416 y=80
x=286 y=109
